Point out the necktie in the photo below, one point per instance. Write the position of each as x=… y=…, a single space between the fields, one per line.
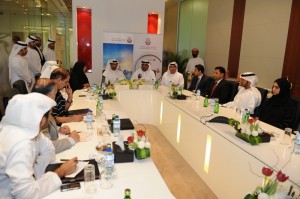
x=213 y=88
x=198 y=81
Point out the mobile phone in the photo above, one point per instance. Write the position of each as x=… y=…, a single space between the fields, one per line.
x=82 y=95
x=71 y=186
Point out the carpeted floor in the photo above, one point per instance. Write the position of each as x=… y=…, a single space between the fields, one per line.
x=182 y=180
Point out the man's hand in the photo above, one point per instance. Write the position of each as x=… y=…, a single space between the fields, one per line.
x=69 y=92
x=67 y=168
x=74 y=135
x=77 y=118
x=64 y=130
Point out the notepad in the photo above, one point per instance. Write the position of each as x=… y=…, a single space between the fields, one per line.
x=126 y=124
x=79 y=177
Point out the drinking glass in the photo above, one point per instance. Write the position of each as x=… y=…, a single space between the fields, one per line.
x=89 y=179
x=286 y=137
x=238 y=114
x=106 y=176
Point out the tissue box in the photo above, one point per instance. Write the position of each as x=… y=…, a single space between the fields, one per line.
x=122 y=156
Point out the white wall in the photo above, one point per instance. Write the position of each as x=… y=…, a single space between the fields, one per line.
x=263 y=42
x=264 y=39
x=128 y=16
x=218 y=34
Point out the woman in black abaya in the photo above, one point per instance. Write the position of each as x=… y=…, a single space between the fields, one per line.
x=78 y=79
x=279 y=110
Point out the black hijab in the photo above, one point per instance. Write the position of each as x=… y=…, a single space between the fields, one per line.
x=78 y=77
x=279 y=110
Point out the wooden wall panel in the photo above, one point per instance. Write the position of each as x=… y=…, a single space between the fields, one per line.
x=291 y=65
x=236 y=37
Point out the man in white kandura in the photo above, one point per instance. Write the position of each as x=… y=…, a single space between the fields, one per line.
x=144 y=72
x=248 y=96
x=47 y=69
x=172 y=76
x=18 y=66
x=25 y=152
x=112 y=72
x=49 y=52
x=195 y=60
x=33 y=58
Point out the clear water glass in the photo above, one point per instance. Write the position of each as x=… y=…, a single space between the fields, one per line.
x=89 y=179
x=286 y=136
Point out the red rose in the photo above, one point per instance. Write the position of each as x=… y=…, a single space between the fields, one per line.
x=250 y=121
x=267 y=171
x=282 y=177
x=130 y=139
x=140 y=133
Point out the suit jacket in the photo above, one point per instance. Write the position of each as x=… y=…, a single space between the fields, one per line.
x=222 y=91
x=41 y=55
x=203 y=85
x=52 y=133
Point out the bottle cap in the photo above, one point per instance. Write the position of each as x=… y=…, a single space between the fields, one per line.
x=116 y=117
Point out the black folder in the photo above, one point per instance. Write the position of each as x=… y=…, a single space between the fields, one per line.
x=126 y=124
x=77 y=112
x=79 y=177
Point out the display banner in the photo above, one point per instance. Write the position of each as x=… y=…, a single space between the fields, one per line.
x=131 y=48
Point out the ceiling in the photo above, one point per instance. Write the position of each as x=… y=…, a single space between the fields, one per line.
x=36 y=7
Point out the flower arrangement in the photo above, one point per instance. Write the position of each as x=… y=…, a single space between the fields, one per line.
x=175 y=91
x=269 y=186
x=133 y=84
x=140 y=144
x=249 y=131
x=110 y=90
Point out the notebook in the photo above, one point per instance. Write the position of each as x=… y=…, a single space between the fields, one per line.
x=78 y=112
x=126 y=124
x=79 y=177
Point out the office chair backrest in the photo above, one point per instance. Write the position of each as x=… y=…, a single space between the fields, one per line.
x=234 y=89
x=20 y=86
x=297 y=118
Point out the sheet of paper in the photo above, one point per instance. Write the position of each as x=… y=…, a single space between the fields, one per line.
x=79 y=167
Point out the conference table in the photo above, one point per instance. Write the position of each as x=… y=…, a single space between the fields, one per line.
x=141 y=176
x=228 y=165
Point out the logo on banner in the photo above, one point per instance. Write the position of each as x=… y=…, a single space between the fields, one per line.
x=148 y=41
x=129 y=40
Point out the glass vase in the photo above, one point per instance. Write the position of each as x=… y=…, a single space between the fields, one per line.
x=142 y=153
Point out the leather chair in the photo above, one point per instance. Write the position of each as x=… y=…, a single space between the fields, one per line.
x=234 y=89
x=7 y=96
x=263 y=93
x=297 y=118
x=20 y=86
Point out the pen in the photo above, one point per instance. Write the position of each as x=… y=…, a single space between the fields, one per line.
x=77 y=160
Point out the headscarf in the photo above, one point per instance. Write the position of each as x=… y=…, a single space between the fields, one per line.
x=30 y=39
x=285 y=91
x=78 y=78
x=172 y=63
x=15 y=50
x=108 y=67
x=22 y=120
x=146 y=62
x=250 y=77
x=50 y=41
x=47 y=69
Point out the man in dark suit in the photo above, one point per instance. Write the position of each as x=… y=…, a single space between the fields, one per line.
x=200 y=81
x=221 y=89
x=38 y=49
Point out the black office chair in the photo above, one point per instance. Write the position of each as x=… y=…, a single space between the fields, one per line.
x=20 y=85
x=7 y=96
x=297 y=118
x=263 y=93
x=234 y=89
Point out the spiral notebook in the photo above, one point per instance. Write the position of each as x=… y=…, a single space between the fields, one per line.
x=79 y=177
